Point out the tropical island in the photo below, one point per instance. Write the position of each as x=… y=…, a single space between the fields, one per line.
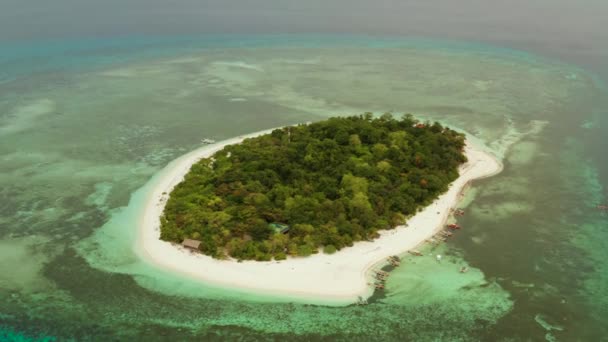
x=342 y=277
x=316 y=187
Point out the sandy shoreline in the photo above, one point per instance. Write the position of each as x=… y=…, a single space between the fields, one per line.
x=340 y=277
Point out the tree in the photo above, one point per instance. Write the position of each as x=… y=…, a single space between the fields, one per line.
x=259 y=230
x=305 y=250
x=354 y=140
x=329 y=249
x=352 y=184
x=383 y=166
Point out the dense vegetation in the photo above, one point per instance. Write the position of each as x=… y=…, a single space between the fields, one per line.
x=332 y=183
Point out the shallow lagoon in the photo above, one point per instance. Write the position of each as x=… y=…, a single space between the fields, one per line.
x=78 y=139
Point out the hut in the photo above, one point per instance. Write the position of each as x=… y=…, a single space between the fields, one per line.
x=279 y=228
x=191 y=244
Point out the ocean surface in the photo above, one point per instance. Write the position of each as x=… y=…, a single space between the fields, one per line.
x=85 y=124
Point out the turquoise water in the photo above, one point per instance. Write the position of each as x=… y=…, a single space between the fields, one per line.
x=85 y=125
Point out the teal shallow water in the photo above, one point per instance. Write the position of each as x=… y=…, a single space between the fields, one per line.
x=81 y=134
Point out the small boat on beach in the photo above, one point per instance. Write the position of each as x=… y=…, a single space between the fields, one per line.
x=458 y=212
x=395 y=263
x=453 y=226
x=381 y=277
x=415 y=252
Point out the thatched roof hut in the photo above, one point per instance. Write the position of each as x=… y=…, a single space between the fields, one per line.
x=192 y=244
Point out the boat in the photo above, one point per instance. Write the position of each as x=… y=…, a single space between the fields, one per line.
x=453 y=226
x=415 y=252
x=464 y=269
x=208 y=141
x=381 y=277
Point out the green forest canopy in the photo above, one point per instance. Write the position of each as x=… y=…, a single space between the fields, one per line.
x=322 y=185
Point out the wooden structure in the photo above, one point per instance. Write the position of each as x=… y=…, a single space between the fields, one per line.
x=279 y=228
x=191 y=244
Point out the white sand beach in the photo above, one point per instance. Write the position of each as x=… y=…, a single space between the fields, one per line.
x=340 y=277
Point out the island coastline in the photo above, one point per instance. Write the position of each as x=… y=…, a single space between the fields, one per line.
x=342 y=277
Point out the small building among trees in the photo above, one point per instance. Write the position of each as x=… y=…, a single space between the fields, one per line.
x=279 y=228
x=191 y=244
